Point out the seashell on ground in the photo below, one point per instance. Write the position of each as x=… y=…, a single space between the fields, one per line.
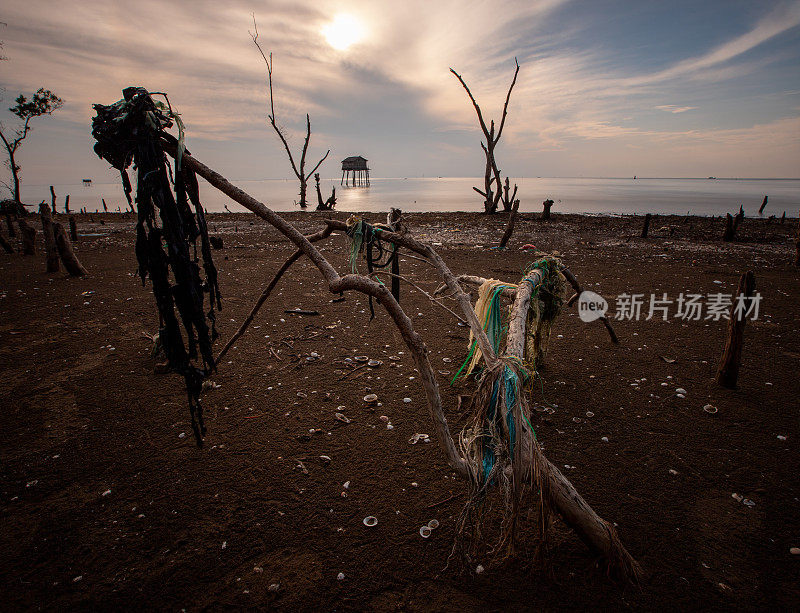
x=425 y=532
x=370 y=521
x=361 y=358
x=371 y=398
x=433 y=524
x=374 y=363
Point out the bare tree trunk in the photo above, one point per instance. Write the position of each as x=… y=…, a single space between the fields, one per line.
x=73 y=229
x=728 y=371
x=68 y=257
x=763 y=205
x=66 y=205
x=512 y=218
x=28 y=233
x=50 y=249
x=14 y=174
x=646 y=227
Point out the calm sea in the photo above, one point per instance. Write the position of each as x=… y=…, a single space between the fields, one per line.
x=572 y=195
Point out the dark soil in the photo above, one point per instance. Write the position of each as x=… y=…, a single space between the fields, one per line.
x=107 y=503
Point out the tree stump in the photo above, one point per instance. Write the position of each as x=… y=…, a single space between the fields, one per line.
x=73 y=229
x=546 y=211
x=51 y=252
x=646 y=227
x=728 y=371
x=68 y=257
x=797 y=244
x=11 y=231
x=66 y=205
x=28 y=237
x=730 y=228
x=6 y=245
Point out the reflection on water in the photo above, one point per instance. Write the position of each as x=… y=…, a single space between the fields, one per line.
x=572 y=195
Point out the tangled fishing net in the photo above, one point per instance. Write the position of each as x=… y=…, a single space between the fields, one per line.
x=498 y=441
x=132 y=131
x=366 y=238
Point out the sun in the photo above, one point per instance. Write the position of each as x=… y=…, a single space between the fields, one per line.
x=344 y=31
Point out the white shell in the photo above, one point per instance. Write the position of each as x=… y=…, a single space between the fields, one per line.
x=361 y=358
x=433 y=524
x=370 y=521
x=710 y=408
x=371 y=398
x=425 y=532
x=374 y=363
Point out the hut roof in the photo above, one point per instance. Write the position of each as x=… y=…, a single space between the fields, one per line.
x=354 y=162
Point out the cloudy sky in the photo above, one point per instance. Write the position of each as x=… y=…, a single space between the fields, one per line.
x=606 y=88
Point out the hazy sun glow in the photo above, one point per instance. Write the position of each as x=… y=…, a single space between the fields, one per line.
x=343 y=31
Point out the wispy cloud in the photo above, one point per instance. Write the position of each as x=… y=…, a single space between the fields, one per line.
x=393 y=91
x=671 y=108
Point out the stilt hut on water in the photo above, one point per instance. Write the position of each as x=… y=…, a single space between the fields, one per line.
x=355 y=171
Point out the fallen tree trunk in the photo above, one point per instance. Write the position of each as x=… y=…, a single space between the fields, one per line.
x=50 y=249
x=597 y=533
x=728 y=371
x=68 y=257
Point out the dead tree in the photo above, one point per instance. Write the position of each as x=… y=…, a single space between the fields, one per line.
x=50 y=249
x=320 y=201
x=492 y=186
x=509 y=197
x=298 y=168
x=73 y=229
x=646 y=227
x=512 y=218
x=531 y=473
x=330 y=203
x=728 y=371
x=66 y=205
x=28 y=233
x=71 y=262
x=547 y=204
x=559 y=493
x=763 y=205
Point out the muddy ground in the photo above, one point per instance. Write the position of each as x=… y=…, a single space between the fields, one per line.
x=107 y=503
